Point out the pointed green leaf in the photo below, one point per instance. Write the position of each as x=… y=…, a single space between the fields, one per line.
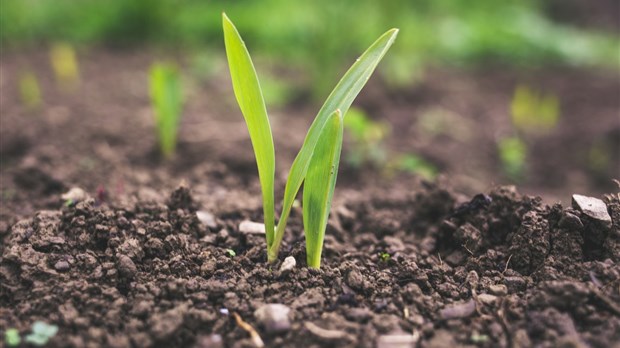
x=319 y=187
x=250 y=99
x=341 y=98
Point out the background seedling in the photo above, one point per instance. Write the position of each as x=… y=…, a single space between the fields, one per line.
x=65 y=65
x=11 y=337
x=167 y=102
x=29 y=90
x=321 y=148
x=368 y=148
x=533 y=114
x=513 y=153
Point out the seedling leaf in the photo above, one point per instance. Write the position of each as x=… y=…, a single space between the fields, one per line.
x=341 y=99
x=167 y=100
x=250 y=98
x=319 y=187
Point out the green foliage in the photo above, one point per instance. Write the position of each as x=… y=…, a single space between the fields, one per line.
x=367 y=138
x=167 y=102
x=319 y=186
x=65 y=65
x=41 y=333
x=368 y=147
x=321 y=148
x=513 y=154
x=231 y=253
x=250 y=98
x=384 y=257
x=11 y=337
x=413 y=163
x=29 y=90
x=533 y=112
x=307 y=34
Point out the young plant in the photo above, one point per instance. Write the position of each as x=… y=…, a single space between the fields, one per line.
x=65 y=65
x=167 y=102
x=317 y=162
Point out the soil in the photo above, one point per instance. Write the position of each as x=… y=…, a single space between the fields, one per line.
x=453 y=262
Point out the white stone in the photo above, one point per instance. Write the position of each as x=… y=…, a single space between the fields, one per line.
x=206 y=218
x=75 y=195
x=288 y=264
x=592 y=207
x=251 y=227
x=273 y=317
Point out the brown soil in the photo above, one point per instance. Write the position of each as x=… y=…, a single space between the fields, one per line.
x=133 y=265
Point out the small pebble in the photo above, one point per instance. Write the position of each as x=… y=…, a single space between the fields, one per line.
x=209 y=341
x=126 y=267
x=325 y=334
x=273 y=317
x=74 y=195
x=593 y=208
x=498 y=289
x=251 y=227
x=358 y=314
x=459 y=310
x=62 y=266
x=396 y=341
x=206 y=218
x=570 y=221
x=487 y=299
x=288 y=264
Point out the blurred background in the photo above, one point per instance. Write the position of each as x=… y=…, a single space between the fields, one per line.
x=475 y=93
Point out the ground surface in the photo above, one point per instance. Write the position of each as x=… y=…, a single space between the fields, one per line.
x=402 y=256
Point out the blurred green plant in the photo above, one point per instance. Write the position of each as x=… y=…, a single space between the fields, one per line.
x=513 y=155
x=415 y=164
x=533 y=112
x=65 y=65
x=29 y=91
x=41 y=333
x=12 y=338
x=167 y=102
x=367 y=147
x=316 y=164
x=367 y=139
x=449 y=32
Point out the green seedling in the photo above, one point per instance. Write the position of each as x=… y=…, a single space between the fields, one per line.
x=384 y=257
x=12 y=338
x=65 y=65
x=415 y=164
x=513 y=153
x=317 y=162
x=167 y=102
x=41 y=333
x=231 y=252
x=29 y=90
x=533 y=112
x=366 y=138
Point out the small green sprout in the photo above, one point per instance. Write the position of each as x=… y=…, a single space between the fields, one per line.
x=384 y=257
x=413 y=163
x=41 y=333
x=29 y=90
x=513 y=154
x=366 y=137
x=317 y=162
x=12 y=338
x=534 y=112
x=65 y=65
x=167 y=102
x=231 y=252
